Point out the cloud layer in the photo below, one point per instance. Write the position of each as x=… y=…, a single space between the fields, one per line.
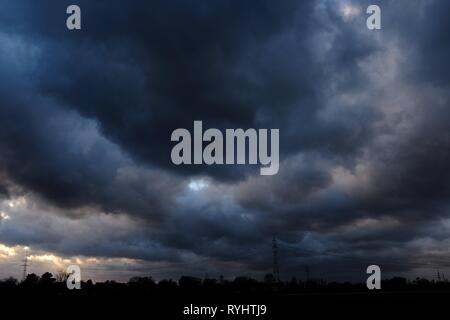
x=86 y=118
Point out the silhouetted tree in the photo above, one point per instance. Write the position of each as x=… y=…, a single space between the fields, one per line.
x=31 y=280
x=142 y=281
x=190 y=283
x=47 y=279
x=61 y=276
x=8 y=283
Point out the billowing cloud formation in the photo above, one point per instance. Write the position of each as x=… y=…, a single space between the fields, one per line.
x=86 y=118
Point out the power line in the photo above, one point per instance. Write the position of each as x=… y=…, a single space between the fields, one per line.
x=307 y=272
x=276 y=271
x=25 y=266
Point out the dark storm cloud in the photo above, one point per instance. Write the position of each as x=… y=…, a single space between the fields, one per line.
x=61 y=157
x=139 y=77
x=86 y=118
x=423 y=30
x=145 y=69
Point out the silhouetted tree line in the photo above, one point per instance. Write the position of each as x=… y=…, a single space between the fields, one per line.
x=186 y=284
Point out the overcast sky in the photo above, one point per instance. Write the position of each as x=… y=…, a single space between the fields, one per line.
x=86 y=118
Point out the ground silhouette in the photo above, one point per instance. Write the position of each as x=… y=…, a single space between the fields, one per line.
x=284 y=299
